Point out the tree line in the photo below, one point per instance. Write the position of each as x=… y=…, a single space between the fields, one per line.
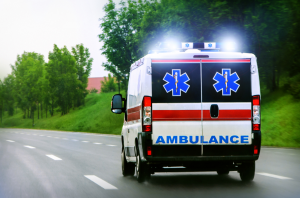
x=269 y=29
x=35 y=85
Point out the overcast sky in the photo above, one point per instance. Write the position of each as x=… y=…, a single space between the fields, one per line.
x=36 y=25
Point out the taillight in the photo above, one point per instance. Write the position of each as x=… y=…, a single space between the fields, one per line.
x=147 y=114
x=256 y=113
x=149 y=151
x=255 y=149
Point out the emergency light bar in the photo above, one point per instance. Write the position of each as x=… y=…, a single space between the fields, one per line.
x=206 y=45
x=167 y=47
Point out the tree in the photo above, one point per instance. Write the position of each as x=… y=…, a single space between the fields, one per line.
x=8 y=94
x=270 y=30
x=84 y=66
x=109 y=84
x=119 y=43
x=29 y=73
x=62 y=76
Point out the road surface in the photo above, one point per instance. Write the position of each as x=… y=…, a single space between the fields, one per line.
x=39 y=163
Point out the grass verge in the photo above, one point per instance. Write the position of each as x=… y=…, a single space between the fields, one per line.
x=95 y=116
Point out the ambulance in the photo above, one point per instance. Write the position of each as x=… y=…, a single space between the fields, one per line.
x=195 y=108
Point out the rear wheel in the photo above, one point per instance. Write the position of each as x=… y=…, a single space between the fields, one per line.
x=127 y=167
x=247 y=171
x=142 y=169
x=223 y=172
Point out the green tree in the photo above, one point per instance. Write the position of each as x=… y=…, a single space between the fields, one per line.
x=29 y=74
x=8 y=94
x=109 y=84
x=118 y=37
x=62 y=76
x=84 y=66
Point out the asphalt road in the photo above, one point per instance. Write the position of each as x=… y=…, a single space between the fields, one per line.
x=38 y=163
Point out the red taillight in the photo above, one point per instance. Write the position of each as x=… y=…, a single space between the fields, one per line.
x=256 y=127
x=147 y=101
x=149 y=152
x=147 y=114
x=256 y=113
x=147 y=128
x=255 y=100
x=255 y=149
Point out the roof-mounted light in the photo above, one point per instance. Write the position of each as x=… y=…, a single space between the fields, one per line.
x=206 y=45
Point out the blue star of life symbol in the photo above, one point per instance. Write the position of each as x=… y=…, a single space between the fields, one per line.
x=176 y=82
x=187 y=45
x=226 y=82
x=209 y=45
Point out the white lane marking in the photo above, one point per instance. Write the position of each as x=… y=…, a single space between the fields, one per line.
x=48 y=136
x=274 y=176
x=57 y=137
x=75 y=140
x=53 y=157
x=10 y=141
x=97 y=143
x=100 y=182
x=65 y=138
x=85 y=141
x=22 y=133
x=41 y=135
x=110 y=145
x=31 y=147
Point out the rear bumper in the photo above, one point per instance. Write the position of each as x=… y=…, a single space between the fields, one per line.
x=193 y=153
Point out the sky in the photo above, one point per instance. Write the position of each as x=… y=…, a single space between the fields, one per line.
x=36 y=25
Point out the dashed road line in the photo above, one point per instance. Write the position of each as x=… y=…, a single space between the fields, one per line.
x=110 y=145
x=85 y=141
x=31 y=147
x=100 y=182
x=97 y=143
x=10 y=140
x=65 y=138
x=48 y=136
x=53 y=157
x=274 y=176
x=75 y=140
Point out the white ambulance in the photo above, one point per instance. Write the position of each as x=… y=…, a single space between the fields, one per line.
x=191 y=109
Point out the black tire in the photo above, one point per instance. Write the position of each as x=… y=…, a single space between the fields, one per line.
x=127 y=167
x=223 y=172
x=247 y=171
x=142 y=169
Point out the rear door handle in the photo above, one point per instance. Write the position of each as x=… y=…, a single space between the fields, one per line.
x=214 y=111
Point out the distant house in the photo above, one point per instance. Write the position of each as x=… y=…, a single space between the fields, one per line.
x=95 y=82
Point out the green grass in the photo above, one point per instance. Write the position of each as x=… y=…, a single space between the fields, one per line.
x=95 y=117
x=280 y=119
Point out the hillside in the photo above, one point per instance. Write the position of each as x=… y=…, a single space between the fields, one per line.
x=280 y=119
x=95 y=117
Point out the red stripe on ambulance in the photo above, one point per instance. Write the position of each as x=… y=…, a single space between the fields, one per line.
x=195 y=115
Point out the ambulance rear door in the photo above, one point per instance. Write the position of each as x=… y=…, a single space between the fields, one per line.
x=226 y=104
x=176 y=107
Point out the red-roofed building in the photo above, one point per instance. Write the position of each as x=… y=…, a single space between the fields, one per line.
x=95 y=83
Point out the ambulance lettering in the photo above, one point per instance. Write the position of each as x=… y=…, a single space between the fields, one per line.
x=176 y=82
x=183 y=139
x=226 y=82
